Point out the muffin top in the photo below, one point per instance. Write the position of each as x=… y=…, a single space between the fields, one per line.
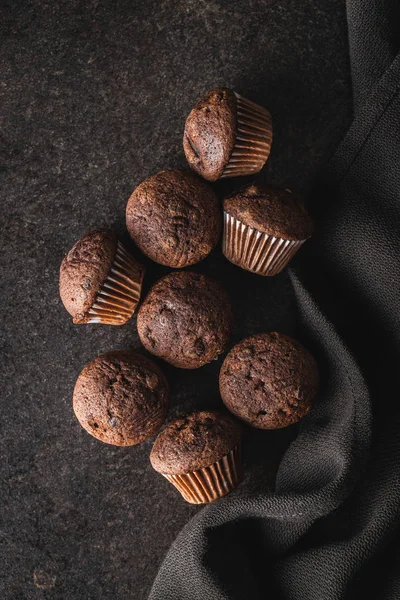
x=194 y=442
x=84 y=270
x=185 y=319
x=271 y=210
x=175 y=218
x=121 y=398
x=269 y=380
x=210 y=133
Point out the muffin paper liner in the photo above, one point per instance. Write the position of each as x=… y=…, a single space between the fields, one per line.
x=253 y=139
x=120 y=293
x=210 y=483
x=256 y=251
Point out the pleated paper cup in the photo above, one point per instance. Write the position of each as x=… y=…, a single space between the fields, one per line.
x=120 y=293
x=254 y=250
x=253 y=139
x=210 y=483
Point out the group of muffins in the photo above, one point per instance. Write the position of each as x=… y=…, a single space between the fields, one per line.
x=175 y=218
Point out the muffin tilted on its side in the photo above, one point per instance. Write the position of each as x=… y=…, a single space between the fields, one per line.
x=186 y=319
x=175 y=218
x=269 y=380
x=99 y=281
x=227 y=135
x=200 y=455
x=264 y=227
x=121 y=398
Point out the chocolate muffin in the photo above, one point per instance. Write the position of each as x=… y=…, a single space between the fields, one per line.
x=175 y=218
x=121 y=398
x=200 y=455
x=269 y=381
x=227 y=135
x=185 y=319
x=264 y=227
x=99 y=281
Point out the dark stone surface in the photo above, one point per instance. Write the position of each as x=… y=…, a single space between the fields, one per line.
x=95 y=96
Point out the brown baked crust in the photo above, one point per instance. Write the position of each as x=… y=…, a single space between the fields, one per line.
x=269 y=380
x=195 y=441
x=84 y=270
x=186 y=319
x=272 y=210
x=175 y=218
x=210 y=133
x=121 y=398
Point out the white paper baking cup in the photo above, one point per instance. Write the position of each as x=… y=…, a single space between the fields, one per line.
x=253 y=139
x=210 y=483
x=120 y=293
x=254 y=250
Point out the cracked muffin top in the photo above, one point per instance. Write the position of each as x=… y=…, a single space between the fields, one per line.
x=121 y=398
x=175 y=218
x=272 y=210
x=210 y=133
x=84 y=270
x=269 y=380
x=186 y=319
x=194 y=442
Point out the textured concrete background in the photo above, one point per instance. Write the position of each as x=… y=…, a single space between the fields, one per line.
x=94 y=96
